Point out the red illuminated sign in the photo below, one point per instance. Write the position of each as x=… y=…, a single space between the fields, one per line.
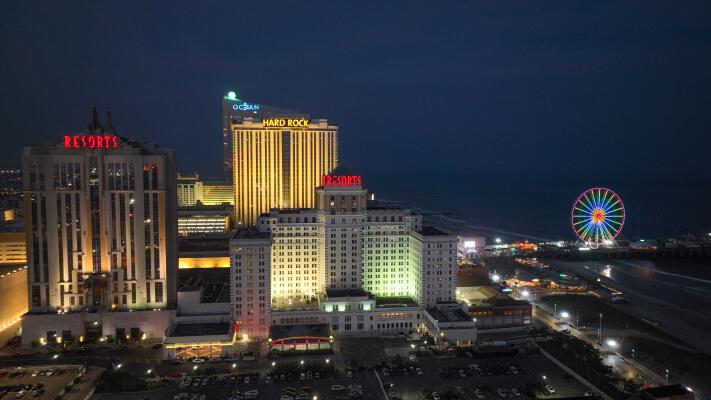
x=91 y=142
x=341 y=180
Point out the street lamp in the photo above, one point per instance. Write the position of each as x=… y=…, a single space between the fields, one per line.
x=498 y=240
x=328 y=360
x=273 y=363
x=666 y=375
x=148 y=371
x=544 y=377
x=524 y=293
x=234 y=365
x=633 y=353
x=599 y=336
x=118 y=366
x=612 y=343
x=301 y=362
x=495 y=277
x=412 y=346
x=564 y=314
x=194 y=367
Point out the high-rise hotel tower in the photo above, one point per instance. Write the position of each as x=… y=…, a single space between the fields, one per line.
x=279 y=161
x=101 y=231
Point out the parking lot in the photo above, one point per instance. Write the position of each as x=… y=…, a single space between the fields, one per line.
x=493 y=378
x=41 y=382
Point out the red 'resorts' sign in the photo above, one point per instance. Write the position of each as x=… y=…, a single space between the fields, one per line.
x=341 y=180
x=90 y=142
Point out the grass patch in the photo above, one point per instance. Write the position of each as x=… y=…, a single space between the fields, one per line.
x=690 y=369
x=119 y=381
x=588 y=309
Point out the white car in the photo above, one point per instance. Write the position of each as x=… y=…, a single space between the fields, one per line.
x=479 y=395
x=515 y=392
x=435 y=396
x=251 y=394
x=550 y=389
x=501 y=392
x=198 y=360
x=462 y=373
x=337 y=388
x=418 y=370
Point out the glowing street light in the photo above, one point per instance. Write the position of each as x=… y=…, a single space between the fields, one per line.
x=118 y=366
x=273 y=363
x=498 y=240
x=328 y=360
x=56 y=356
x=412 y=346
x=612 y=343
x=234 y=365
x=148 y=372
x=495 y=277
x=194 y=367
x=544 y=377
x=525 y=293
x=564 y=314
x=301 y=362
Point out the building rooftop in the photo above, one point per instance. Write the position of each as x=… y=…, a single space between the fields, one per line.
x=197 y=278
x=251 y=233
x=339 y=293
x=201 y=329
x=390 y=302
x=449 y=315
x=277 y=332
x=432 y=231
x=505 y=301
x=375 y=205
x=472 y=277
x=224 y=207
x=295 y=305
x=211 y=244
x=666 y=391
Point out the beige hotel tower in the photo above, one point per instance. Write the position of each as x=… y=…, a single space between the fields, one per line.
x=279 y=161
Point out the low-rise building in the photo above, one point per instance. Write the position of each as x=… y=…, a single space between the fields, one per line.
x=450 y=325
x=500 y=316
x=204 y=220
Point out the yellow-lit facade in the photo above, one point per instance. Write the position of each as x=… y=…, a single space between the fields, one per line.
x=203 y=262
x=13 y=286
x=13 y=248
x=279 y=162
x=215 y=194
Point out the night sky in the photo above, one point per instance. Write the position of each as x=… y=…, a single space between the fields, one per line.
x=551 y=95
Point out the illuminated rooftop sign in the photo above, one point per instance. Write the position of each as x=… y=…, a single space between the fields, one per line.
x=292 y=122
x=91 y=142
x=246 y=107
x=341 y=180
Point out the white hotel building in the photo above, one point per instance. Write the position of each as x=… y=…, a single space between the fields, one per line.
x=357 y=268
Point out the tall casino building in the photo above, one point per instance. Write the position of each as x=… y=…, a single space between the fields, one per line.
x=101 y=233
x=278 y=158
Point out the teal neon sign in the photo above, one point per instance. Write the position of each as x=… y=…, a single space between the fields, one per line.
x=243 y=106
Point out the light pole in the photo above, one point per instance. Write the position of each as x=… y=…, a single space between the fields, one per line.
x=666 y=376
x=555 y=309
x=599 y=337
x=633 y=353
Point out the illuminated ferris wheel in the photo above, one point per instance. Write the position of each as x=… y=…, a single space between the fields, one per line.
x=597 y=216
